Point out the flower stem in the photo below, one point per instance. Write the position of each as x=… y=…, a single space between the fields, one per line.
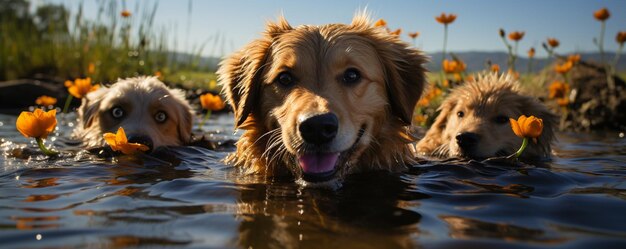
x=514 y=56
x=67 y=103
x=522 y=148
x=206 y=117
x=601 y=41
x=45 y=150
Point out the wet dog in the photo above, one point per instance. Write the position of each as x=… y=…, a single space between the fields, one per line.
x=320 y=102
x=151 y=113
x=474 y=121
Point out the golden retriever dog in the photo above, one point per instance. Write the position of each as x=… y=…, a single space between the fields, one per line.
x=150 y=113
x=474 y=121
x=319 y=102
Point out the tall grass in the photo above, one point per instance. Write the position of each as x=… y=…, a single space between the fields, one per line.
x=50 y=40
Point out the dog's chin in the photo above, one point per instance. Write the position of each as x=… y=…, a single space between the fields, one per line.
x=323 y=167
x=477 y=154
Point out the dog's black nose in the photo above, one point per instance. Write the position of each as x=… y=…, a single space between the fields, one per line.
x=319 y=129
x=141 y=139
x=467 y=140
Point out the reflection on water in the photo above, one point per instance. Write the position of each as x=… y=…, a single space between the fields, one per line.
x=185 y=197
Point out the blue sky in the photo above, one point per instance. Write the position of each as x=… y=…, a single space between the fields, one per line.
x=476 y=28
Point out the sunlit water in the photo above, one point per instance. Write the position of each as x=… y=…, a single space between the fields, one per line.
x=188 y=198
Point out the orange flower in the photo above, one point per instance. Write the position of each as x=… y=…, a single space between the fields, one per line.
x=621 y=37
x=553 y=42
x=119 y=142
x=211 y=102
x=453 y=66
x=91 y=68
x=45 y=100
x=125 y=13
x=516 y=36
x=37 y=124
x=445 y=19
x=558 y=90
x=495 y=68
x=80 y=87
x=420 y=119
x=431 y=94
x=562 y=101
x=514 y=73
x=575 y=58
x=531 y=53
x=457 y=77
x=527 y=127
x=602 y=14
x=414 y=35
x=564 y=68
x=380 y=23
x=397 y=32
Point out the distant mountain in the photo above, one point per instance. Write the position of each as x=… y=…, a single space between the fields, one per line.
x=475 y=61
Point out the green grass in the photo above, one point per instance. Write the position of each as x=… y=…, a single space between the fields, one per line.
x=194 y=79
x=52 y=41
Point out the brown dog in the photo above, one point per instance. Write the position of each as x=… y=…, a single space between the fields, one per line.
x=323 y=101
x=149 y=111
x=474 y=121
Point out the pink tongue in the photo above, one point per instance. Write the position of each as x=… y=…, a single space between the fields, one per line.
x=318 y=162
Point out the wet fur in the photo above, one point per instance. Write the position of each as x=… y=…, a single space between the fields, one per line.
x=141 y=98
x=383 y=103
x=481 y=100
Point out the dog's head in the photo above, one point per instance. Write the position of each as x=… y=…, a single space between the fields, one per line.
x=150 y=113
x=474 y=120
x=323 y=94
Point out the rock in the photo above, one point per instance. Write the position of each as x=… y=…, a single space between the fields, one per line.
x=593 y=105
x=18 y=95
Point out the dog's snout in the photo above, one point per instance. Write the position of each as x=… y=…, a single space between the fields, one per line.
x=319 y=129
x=141 y=139
x=467 y=140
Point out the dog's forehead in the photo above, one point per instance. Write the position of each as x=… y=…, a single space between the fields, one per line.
x=489 y=103
x=139 y=91
x=312 y=48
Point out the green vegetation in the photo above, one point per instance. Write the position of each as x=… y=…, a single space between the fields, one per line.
x=52 y=41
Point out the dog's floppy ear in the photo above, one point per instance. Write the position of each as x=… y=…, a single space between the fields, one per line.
x=405 y=74
x=406 y=80
x=434 y=136
x=241 y=74
x=185 y=116
x=88 y=110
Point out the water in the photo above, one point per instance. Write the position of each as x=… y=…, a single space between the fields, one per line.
x=188 y=198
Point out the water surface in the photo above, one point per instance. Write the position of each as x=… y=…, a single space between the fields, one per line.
x=188 y=198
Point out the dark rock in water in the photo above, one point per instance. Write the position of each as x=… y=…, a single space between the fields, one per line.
x=594 y=104
x=18 y=95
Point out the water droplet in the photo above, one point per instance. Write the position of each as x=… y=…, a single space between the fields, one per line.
x=621 y=134
x=17 y=177
x=38 y=236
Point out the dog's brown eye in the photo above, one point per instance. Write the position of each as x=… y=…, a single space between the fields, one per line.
x=460 y=114
x=501 y=119
x=285 y=79
x=117 y=112
x=351 y=76
x=160 y=117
